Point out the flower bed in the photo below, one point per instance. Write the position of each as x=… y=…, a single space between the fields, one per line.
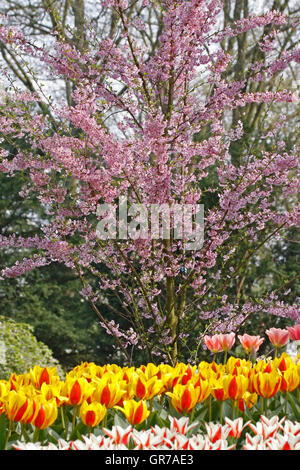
x=93 y=404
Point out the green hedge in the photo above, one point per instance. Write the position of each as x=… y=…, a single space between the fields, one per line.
x=20 y=350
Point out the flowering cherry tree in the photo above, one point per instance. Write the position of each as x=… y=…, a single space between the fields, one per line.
x=77 y=157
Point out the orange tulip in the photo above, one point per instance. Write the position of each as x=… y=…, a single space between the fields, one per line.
x=250 y=343
x=278 y=337
x=294 y=332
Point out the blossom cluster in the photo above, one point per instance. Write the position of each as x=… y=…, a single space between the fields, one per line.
x=266 y=434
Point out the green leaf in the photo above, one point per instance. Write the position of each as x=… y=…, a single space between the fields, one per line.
x=119 y=421
x=3 y=430
x=295 y=406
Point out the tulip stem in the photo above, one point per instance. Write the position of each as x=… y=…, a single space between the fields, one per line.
x=221 y=411
x=36 y=435
x=62 y=418
x=151 y=404
x=285 y=403
x=225 y=356
x=209 y=407
x=262 y=406
x=10 y=426
x=105 y=421
x=74 y=417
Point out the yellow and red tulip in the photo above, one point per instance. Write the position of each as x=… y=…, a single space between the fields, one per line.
x=76 y=390
x=204 y=388
x=247 y=401
x=290 y=380
x=39 y=375
x=135 y=411
x=184 y=398
x=19 y=407
x=144 y=389
x=92 y=413
x=235 y=385
x=266 y=384
x=46 y=413
x=109 y=393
